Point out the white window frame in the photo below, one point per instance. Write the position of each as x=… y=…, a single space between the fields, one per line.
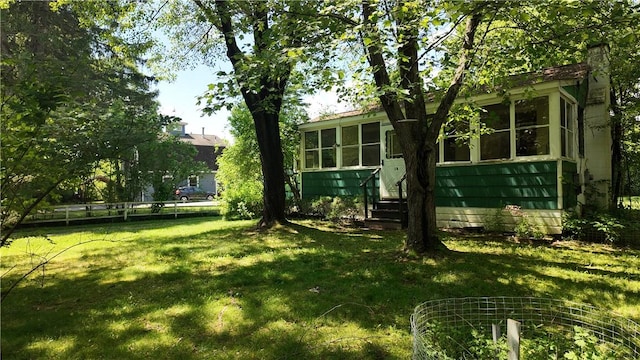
x=316 y=149
x=570 y=118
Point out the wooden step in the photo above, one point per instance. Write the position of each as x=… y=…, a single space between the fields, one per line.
x=383 y=224
x=391 y=204
x=386 y=213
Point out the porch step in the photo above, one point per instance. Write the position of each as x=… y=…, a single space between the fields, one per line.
x=386 y=215
x=391 y=204
x=383 y=224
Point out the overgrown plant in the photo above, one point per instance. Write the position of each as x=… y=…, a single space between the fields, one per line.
x=538 y=343
x=336 y=208
x=495 y=221
x=525 y=227
x=599 y=224
x=594 y=227
x=243 y=202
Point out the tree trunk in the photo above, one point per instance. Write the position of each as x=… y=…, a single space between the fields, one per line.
x=418 y=135
x=422 y=230
x=265 y=104
x=272 y=160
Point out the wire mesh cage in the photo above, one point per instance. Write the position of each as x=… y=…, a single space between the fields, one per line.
x=465 y=328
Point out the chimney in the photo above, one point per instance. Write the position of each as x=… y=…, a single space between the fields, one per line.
x=203 y=131
x=598 y=60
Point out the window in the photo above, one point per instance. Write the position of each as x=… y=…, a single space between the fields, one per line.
x=350 y=146
x=311 y=150
x=328 y=147
x=393 y=149
x=455 y=148
x=532 y=126
x=371 y=144
x=193 y=180
x=360 y=146
x=566 y=128
x=497 y=144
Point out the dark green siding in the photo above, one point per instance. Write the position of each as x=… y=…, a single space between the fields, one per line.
x=336 y=183
x=579 y=91
x=529 y=185
x=569 y=195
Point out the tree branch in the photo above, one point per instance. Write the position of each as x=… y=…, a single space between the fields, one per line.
x=7 y=233
x=4 y=294
x=378 y=65
x=456 y=83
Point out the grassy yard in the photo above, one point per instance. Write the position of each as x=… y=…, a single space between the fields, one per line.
x=212 y=289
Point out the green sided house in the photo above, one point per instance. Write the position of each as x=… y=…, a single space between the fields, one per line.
x=550 y=146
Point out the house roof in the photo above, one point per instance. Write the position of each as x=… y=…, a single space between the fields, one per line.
x=553 y=73
x=204 y=140
x=563 y=72
x=209 y=148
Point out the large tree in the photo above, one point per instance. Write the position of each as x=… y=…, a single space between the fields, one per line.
x=240 y=167
x=415 y=48
x=69 y=98
x=397 y=37
x=264 y=41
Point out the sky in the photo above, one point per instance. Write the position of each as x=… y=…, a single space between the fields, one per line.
x=179 y=98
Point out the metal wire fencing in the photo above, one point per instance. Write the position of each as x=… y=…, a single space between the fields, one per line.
x=465 y=328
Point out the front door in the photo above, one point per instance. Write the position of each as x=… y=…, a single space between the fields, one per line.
x=392 y=164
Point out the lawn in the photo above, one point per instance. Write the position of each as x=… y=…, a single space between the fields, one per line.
x=212 y=289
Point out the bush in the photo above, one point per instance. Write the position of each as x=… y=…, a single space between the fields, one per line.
x=494 y=222
x=603 y=227
x=242 y=202
x=344 y=207
x=333 y=208
x=525 y=227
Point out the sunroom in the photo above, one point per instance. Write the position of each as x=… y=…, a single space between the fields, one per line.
x=536 y=148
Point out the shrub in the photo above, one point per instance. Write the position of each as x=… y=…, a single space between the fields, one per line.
x=494 y=222
x=242 y=202
x=595 y=227
x=345 y=207
x=334 y=207
x=526 y=228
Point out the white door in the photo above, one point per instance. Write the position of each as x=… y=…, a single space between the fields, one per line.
x=392 y=164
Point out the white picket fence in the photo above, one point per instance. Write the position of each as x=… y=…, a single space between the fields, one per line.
x=124 y=211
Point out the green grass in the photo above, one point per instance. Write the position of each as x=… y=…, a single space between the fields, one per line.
x=212 y=289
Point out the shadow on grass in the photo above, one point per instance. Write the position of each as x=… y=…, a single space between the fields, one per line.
x=291 y=293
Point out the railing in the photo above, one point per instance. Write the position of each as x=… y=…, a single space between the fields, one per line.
x=125 y=210
x=400 y=207
x=363 y=185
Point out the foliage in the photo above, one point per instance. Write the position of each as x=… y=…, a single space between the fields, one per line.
x=200 y=288
x=242 y=200
x=71 y=96
x=537 y=342
x=240 y=167
x=599 y=224
x=335 y=208
x=618 y=227
x=263 y=42
x=495 y=221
